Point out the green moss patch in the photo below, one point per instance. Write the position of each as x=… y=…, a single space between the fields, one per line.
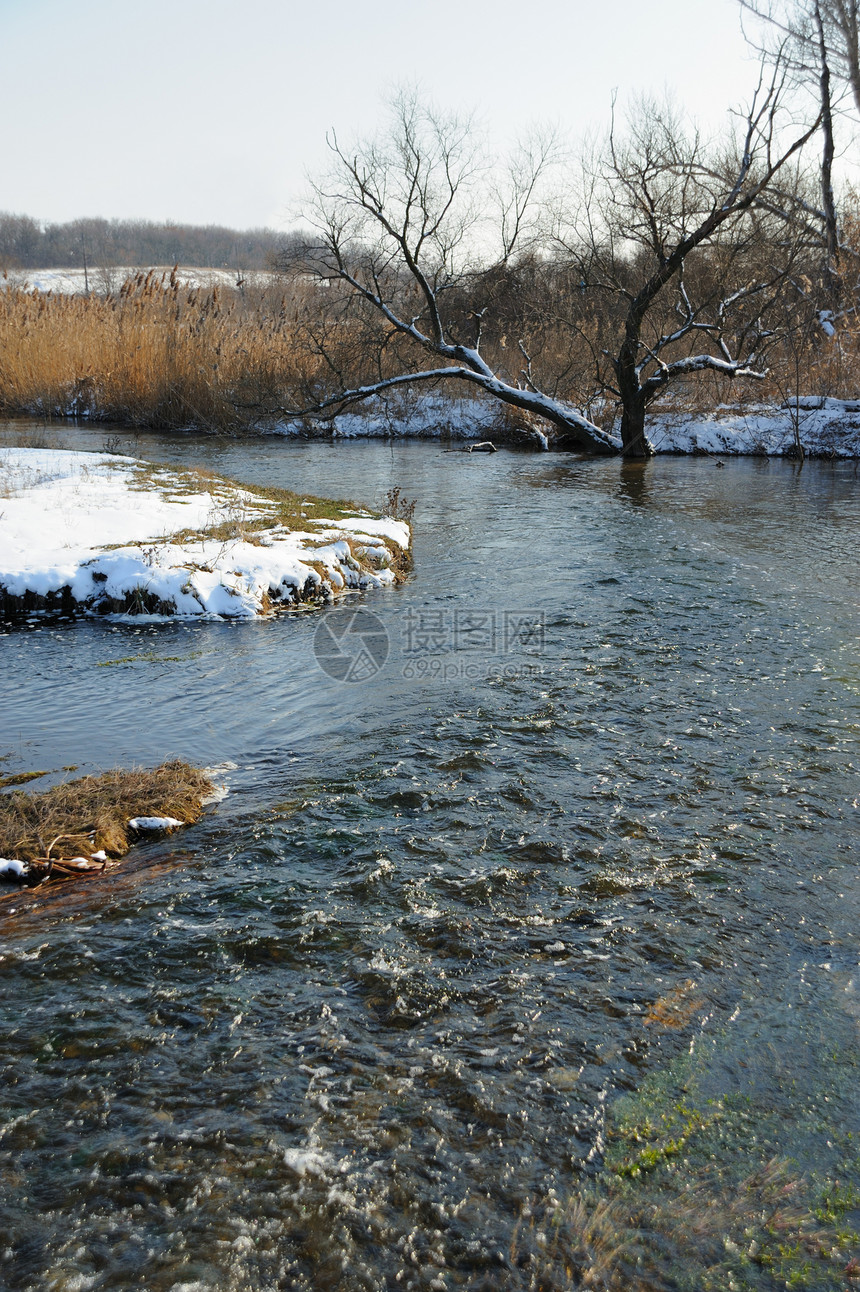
x=716 y=1190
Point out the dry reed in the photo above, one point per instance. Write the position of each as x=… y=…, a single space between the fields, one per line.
x=162 y=355
x=154 y=354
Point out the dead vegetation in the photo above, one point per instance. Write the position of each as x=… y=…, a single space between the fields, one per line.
x=153 y=354
x=399 y=507
x=161 y=355
x=73 y=821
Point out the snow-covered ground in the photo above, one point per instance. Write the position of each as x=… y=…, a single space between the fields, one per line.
x=827 y=427
x=74 y=282
x=431 y=416
x=104 y=527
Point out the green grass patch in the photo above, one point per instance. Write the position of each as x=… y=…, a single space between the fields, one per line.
x=256 y=513
x=147 y=657
x=20 y=778
x=254 y=510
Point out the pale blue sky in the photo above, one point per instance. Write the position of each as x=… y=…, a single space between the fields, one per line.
x=210 y=111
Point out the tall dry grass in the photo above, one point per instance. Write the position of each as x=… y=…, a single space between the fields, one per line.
x=154 y=354
x=162 y=355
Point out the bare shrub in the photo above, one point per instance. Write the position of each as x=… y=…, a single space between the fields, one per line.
x=398 y=507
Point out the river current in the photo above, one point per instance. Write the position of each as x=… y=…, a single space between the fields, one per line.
x=365 y=1025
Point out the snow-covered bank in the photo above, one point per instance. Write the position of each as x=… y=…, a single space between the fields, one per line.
x=432 y=416
x=97 y=533
x=827 y=427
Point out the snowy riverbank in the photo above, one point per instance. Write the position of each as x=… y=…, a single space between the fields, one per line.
x=96 y=533
x=827 y=427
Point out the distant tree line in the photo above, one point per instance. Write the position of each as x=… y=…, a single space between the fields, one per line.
x=26 y=243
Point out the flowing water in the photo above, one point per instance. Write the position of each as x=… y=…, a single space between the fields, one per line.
x=368 y=1025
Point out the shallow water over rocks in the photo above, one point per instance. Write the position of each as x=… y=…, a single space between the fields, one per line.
x=596 y=811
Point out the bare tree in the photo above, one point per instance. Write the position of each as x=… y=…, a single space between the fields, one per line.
x=811 y=38
x=842 y=18
x=402 y=224
x=803 y=24
x=674 y=235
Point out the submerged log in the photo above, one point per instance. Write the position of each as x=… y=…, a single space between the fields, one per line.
x=483 y=446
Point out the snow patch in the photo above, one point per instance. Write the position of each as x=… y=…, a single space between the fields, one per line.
x=88 y=526
x=154 y=823
x=827 y=428
x=101 y=281
x=432 y=416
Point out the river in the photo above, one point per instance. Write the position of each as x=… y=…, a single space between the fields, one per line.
x=593 y=813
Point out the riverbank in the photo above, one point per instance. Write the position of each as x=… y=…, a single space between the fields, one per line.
x=825 y=428
x=98 y=534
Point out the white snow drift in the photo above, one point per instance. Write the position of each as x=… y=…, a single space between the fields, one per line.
x=826 y=427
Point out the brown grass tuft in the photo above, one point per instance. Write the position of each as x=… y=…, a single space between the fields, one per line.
x=87 y=815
